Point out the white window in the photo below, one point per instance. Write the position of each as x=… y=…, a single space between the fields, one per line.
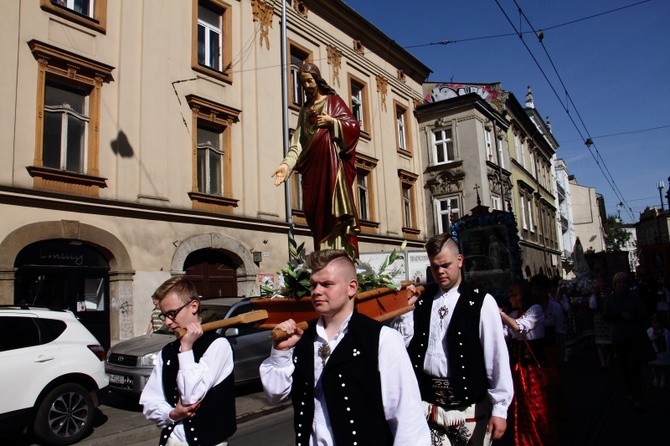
x=209 y=162
x=531 y=226
x=446 y=211
x=524 y=221
x=400 y=121
x=407 y=206
x=489 y=146
x=209 y=37
x=357 y=102
x=363 y=194
x=83 y=7
x=297 y=94
x=65 y=129
x=496 y=203
x=501 y=160
x=443 y=146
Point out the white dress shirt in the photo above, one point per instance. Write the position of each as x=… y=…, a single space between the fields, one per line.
x=531 y=324
x=496 y=356
x=194 y=379
x=400 y=392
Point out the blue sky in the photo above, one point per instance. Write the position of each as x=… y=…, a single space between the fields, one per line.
x=613 y=83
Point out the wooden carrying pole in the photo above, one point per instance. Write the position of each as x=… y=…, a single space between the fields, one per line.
x=246 y=318
x=381 y=304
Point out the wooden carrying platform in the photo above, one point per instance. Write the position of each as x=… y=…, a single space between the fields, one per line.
x=381 y=304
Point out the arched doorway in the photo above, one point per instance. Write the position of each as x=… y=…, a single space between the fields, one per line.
x=213 y=272
x=66 y=274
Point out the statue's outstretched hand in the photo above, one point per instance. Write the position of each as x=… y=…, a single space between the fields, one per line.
x=280 y=174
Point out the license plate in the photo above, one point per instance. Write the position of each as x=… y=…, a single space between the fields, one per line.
x=123 y=381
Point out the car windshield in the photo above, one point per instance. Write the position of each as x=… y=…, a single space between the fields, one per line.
x=213 y=313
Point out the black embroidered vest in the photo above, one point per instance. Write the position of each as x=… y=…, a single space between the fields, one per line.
x=214 y=421
x=351 y=385
x=466 y=356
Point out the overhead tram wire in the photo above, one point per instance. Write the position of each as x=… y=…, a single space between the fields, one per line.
x=495 y=36
x=588 y=141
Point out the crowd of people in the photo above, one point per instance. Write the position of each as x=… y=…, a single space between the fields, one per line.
x=460 y=369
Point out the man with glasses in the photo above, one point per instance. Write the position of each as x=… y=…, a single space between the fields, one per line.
x=190 y=393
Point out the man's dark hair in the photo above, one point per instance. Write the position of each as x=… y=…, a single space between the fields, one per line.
x=318 y=260
x=321 y=83
x=435 y=244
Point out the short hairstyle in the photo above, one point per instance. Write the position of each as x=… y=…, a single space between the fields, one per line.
x=435 y=244
x=318 y=260
x=180 y=285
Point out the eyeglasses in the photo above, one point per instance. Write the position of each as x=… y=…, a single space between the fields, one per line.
x=172 y=313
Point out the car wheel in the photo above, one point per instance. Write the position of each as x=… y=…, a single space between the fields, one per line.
x=65 y=415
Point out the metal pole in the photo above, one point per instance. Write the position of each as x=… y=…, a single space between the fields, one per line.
x=284 y=97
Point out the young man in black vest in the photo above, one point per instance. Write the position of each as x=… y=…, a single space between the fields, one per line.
x=457 y=347
x=190 y=393
x=349 y=377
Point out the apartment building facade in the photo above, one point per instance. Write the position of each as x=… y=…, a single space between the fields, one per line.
x=484 y=148
x=532 y=152
x=142 y=135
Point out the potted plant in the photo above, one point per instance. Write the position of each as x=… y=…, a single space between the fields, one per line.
x=379 y=295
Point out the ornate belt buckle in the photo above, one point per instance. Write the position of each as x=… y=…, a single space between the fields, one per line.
x=442 y=391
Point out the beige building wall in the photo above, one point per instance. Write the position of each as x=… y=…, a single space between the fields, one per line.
x=586 y=220
x=135 y=202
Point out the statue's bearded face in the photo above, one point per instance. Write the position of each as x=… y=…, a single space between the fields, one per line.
x=309 y=85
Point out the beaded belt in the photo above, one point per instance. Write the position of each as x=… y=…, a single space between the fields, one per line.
x=443 y=391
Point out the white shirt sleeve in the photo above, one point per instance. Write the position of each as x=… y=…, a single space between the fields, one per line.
x=496 y=357
x=400 y=392
x=152 y=399
x=404 y=324
x=531 y=324
x=276 y=375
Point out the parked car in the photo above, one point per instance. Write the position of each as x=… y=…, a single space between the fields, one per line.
x=52 y=374
x=130 y=362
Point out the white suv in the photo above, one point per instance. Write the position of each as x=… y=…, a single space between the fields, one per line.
x=52 y=372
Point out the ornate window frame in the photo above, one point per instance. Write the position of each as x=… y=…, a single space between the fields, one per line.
x=86 y=75
x=222 y=118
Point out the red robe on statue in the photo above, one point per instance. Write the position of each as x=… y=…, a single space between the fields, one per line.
x=327 y=164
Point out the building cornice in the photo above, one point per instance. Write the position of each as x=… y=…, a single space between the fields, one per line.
x=350 y=22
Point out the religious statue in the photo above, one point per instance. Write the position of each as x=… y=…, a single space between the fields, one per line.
x=323 y=151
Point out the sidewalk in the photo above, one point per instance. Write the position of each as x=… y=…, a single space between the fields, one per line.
x=597 y=410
